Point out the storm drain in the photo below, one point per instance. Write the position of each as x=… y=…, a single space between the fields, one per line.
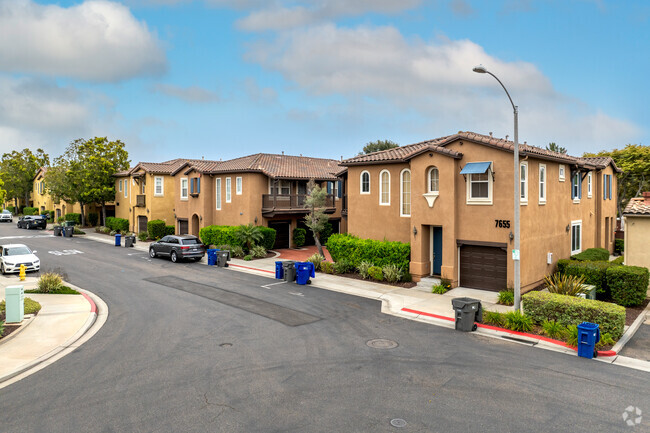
x=381 y=343
x=398 y=422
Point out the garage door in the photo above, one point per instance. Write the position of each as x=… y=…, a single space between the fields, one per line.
x=281 y=233
x=483 y=267
x=182 y=227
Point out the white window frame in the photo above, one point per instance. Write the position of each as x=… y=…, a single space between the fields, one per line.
x=523 y=182
x=155 y=186
x=126 y=189
x=562 y=172
x=184 y=186
x=542 y=184
x=361 y=191
x=228 y=190
x=485 y=201
x=576 y=223
x=120 y=185
x=402 y=197
x=381 y=188
x=589 y=185
x=429 y=173
x=577 y=185
x=217 y=189
x=238 y=185
x=142 y=187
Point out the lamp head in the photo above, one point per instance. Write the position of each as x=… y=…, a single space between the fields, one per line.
x=479 y=69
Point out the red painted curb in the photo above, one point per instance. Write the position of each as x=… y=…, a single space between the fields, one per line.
x=253 y=269
x=93 y=307
x=508 y=331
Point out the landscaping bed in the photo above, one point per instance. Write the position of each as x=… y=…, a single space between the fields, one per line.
x=31 y=307
x=631 y=313
x=356 y=276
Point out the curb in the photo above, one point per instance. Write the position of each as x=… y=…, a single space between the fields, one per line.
x=627 y=335
x=26 y=323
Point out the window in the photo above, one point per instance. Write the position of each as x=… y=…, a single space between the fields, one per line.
x=218 y=192
x=365 y=183
x=282 y=187
x=561 y=173
x=184 y=189
x=576 y=237
x=478 y=180
x=339 y=188
x=228 y=190
x=126 y=188
x=523 y=183
x=434 y=182
x=120 y=185
x=607 y=186
x=576 y=187
x=238 y=185
x=589 y=185
x=542 y=183
x=384 y=188
x=479 y=185
x=405 y=193
x=142 y=187
x=158 y=186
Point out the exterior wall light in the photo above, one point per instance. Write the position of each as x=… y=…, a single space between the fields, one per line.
x=415 y=231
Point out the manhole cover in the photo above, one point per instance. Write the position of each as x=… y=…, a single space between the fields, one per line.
x=398 y=422
x=381 y=343
x=225 y=345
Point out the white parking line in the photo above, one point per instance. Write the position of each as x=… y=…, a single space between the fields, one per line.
x=25 y=237
x=268 y=286
x=296 y=293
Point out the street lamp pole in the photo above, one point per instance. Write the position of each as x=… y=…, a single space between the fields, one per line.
x=517 y=171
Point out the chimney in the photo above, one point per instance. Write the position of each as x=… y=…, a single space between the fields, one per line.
x=490 y=133
x=646 y=197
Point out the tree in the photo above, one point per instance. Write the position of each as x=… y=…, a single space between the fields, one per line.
x=376 y=146
x=316 y=218
x=17 y=171
x=249 y=235
x=556 y=148
x=634 y=160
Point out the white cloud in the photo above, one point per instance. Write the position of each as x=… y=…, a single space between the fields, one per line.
x=94 y=40
x=257 y=93
x=192 y=94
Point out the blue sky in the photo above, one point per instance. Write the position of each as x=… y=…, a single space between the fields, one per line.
x=225 y=78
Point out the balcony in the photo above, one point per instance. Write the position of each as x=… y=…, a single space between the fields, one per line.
x=284 y=204
x=140 y=200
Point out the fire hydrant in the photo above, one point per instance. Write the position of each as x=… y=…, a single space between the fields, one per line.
x=22 y=273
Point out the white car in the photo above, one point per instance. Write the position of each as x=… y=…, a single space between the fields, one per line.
x=14 y=255
x=5 y=215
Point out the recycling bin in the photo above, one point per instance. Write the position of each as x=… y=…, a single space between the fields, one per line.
x=14 y=304
x=467 y=311
x=289 y=270
x=588 y=336
x=58 y=230
x=212 y=256
x=68 y=223
x=118 y=239
x=279 y=271
x=129 y=241
x=68 y=231
x=222 y=259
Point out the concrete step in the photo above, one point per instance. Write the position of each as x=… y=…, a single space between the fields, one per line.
x=425 y=284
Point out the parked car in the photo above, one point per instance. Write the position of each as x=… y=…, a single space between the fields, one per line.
x=178 y=247
x=32 y=222
x=14 y=255
x=6 y=216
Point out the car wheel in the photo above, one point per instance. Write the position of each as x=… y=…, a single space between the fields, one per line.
x=197 y=259
x=174 y=257
x=152 y=253
x=2 y=269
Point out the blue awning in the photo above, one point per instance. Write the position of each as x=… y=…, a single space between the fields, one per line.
x=476 y=168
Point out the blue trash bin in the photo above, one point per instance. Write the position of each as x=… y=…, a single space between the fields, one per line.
x=279 y=271
x=588 y=336
x=312 y=269
x=118 y=239
x=303 y=271
x=212 y=256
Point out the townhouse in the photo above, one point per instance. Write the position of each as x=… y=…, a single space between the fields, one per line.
x=452 y=199
x=262 y=189
x=43 y=201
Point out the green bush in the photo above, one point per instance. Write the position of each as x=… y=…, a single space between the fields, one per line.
x=76 y=231
x=572 y=335
x=553 y=329
x=571 y=310
x=30 y=211
x=619 y=246
x=342 y=267
x=494 y=318
x=357 y=250
x=258 y=251
x=11 y=209
x=31 y=306
x=407 y=277
x=49 y=282
x=618 y=261
x=562 y=264
x=592 y=254
x=438 y=289
x=363 y=269
x=248 y=258
x=93 y=217
x=326 y=233
x=376 y=273
x=446 y=282
x=269 y=237
x=506 y=297
x=605 y=339
x=316 y=259
x=156 y=229
x=74 y=217
x=327 y=267
x=518 y=321
x=299 y=235
x=117 y=224
x=565 y=284
x=60 y=219
x=237 y=251
x=594 y=273
x=392 y=273
x=170 y=230
x=50 y=215
x=227 y=235
x=628 y=284
x=143 y=236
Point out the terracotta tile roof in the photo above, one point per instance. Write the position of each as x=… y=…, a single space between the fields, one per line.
x=167 y=167
x=637 y=206
x=402 y=153
x=602 y=162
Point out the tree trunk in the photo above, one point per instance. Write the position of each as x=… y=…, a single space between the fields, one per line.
x=318 y=245
x=83 y=215
x=103 y=213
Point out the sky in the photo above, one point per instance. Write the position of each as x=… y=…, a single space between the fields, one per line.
x=219 y=79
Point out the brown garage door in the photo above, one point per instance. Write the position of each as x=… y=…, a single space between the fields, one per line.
x=281 y=233
x=183 y=227
x=483 y=267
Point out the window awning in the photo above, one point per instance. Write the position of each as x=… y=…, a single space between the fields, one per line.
x=476 y=168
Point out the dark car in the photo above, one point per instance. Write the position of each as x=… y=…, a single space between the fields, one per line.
x=32 y=222
x=178 y=247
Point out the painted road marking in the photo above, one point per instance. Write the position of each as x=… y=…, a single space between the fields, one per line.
x=25 y=237
x=296 y=293
x=65 y=252
x=268 y=286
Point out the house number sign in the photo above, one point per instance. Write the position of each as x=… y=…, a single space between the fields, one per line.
x=504 y=224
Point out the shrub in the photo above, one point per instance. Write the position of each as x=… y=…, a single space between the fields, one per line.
x=49 y=282
x=605 y=339
x=249 y=235
x=564 y=284
x=299 y=235
x=30 y=211
x=438 y=289
x=219 y=235
x=363 y=269
x=594 y=273
x=74 y=217
x=407 y=277
x=570 y=310
x=326 y=233
x=327 y=267
x=248 y=258
x=592 y=254
x=571 y=334
x=518 y=321
x=446 y=282
x=2 y=328
x=258 y=251
x=224 y=247
x=93 y=217
x=342 y=267
x=60 y=219
x=628 y=284
x=619 y=246
x=170 y=230
x=11 y=209
x=316 y=259
x=494 y=318
x=506 y=297
x=31 y=306
x=617 y=261
x=76 y=231
x=143 y=236
x=392 y=273
x=237 y=251
x=106 y=230
x=117 y=224
x=376 y=273
x=357 y=250
x=553 y=329
x=269 y=237
x=156 y=229
x=50 y=216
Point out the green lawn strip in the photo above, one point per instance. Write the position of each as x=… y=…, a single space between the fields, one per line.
x=31 y=306
x=63 y=290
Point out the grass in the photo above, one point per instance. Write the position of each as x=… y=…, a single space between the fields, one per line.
x=62 y=290
x=439 y=289
x=506 y=297
x=31 y=306
x=554 y=329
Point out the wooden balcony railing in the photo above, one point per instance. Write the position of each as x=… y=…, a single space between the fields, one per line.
x=289 y=202
x=140 y=200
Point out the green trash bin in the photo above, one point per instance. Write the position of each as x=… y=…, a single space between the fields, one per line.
x=14 y=304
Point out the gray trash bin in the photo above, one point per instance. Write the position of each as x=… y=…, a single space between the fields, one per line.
x=467 y=311
x=58 y=230
x=222 y=259
x=289 y=267
x=129 y=241
x=68 y=231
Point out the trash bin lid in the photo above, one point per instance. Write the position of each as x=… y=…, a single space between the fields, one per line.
x=588 y=326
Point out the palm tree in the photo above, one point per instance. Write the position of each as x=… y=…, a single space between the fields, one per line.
x=249 y=235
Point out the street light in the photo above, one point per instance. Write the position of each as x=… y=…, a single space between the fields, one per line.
x=515 y=252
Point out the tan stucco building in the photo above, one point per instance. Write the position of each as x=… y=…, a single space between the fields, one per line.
x=452 y=199
x=637 y=231
x=43 y=201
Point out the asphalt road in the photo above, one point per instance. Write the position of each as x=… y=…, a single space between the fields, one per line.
x=191 y=348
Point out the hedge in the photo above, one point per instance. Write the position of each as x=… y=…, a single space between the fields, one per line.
x=117 y=224
x=628 y=284
x=619 y=246
x=594 y=273
x=11 y=209
x=379 y=253
x=572 y=310
x=93 y=217
x=156 y=229
x=30 y=210
x=74 y=217
x=269 y=237
x=170 y=230
x=227 y=235
x=50 y=215
x=592 y=254
x=299 y=236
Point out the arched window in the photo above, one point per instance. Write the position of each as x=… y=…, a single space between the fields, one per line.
x=384 y=188
x=434 y=185
x=405 y=193
x=365 y=182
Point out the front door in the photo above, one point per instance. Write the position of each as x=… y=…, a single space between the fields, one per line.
x=142 y=223
x=436 y=250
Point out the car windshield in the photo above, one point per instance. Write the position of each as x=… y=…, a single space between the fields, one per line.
x=5 y=211
x=16 y=251
x=190 y=242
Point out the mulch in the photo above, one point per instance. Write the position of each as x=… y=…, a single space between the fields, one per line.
x=355 y=276
x=8 y=328
x=631 y=313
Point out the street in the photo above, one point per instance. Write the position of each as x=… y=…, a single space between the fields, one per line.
x=192 y=348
